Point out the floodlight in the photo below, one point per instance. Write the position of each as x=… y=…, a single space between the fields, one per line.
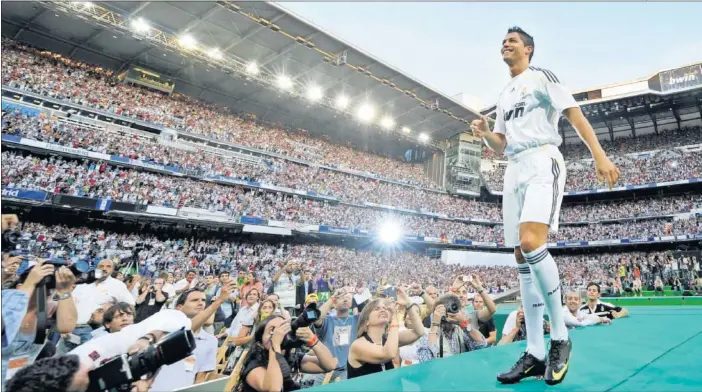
x=187 y=41
x=342 y=101
x=366 y=113
x=390 y=232
x=87 y=5
x=215 y=53
x=140 y=25
x=423 y=137
x=387 y=122
x=314 y=93
x=252 y=68
x=284 y=82
x=673 y=164
x=406 y=130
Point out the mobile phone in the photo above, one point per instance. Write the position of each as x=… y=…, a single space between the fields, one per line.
x=466 y=278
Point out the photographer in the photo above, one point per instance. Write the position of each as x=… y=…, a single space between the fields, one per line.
x=269 y=366
x=337 y=332
x=449 y=323
x=21 y=349
x=90 y=297
x=284 y=283
x=72 y=372
x=150 y=300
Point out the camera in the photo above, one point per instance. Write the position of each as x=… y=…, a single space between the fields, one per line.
x=10 y=240
x=81 y=269
x=121 y=371
x=307 y=318
x=453 y=307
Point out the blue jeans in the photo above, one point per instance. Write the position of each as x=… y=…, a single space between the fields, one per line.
x=84 y=332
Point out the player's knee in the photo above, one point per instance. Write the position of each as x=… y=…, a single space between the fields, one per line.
x=529 y=242
x=519 y=256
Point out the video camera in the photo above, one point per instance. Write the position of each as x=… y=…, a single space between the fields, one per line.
x=307 y=318
x=120 y=372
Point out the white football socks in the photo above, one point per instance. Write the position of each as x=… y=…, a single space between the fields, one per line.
x=546 y=279
x=533 y=313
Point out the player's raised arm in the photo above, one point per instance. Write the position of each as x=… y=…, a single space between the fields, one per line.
x=605 y=169
x=495 y=140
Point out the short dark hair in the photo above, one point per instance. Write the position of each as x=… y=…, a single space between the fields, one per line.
x=121 y=307
x=184 y=296
x=54 y=374
x=593 y=284
x=224 y=273
x=193 y=271
x=526 y=38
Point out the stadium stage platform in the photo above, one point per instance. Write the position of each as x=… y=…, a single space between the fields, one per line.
x=656 y=349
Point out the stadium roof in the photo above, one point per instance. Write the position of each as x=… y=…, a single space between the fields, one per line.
x=279 y=42
x=666 y=99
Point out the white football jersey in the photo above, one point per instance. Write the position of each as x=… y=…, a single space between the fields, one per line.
x=529 y=108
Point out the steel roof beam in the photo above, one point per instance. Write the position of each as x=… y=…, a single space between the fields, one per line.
x=85 y=41
x=343 y=80
x=289 y=47
x=438 y=114
x=138 y=9
x=250 y=33
x=200 y=19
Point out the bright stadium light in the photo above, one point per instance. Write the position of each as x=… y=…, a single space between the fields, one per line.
x=366 y=113
x=284 y=82
x=314 y=93
x=406 y=130
x=187 y=41
x=87 y=5
x=342 y=101
x=423 y=137
x=252 y=68
x=390 y=232
x=140 y=25
x=215 y=53
x=387 y=122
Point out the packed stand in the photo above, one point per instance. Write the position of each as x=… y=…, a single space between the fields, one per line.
x=282 y=173
x=684 y=136
x=633 y=172
x=277 y=172
x=98 y=180
x=50 y=74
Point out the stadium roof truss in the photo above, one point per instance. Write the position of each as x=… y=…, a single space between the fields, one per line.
x=207 y=49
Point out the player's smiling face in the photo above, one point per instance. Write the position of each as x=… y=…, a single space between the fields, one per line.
x=513 y=48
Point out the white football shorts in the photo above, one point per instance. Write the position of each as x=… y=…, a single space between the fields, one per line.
x=533 y=190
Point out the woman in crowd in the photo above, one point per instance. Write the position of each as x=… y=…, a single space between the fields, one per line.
x=251 y=282
x=269 y=367
x=378 y=338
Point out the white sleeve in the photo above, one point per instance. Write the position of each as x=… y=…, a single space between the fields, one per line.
x=499 y=121
x=554 y=92
x=510 y=323
x=572 y=321
x=123 y=294
x=114 y=344
x=210 y=363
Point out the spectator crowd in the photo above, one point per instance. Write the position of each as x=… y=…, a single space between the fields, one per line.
x=52 y=75
x=99 y=180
